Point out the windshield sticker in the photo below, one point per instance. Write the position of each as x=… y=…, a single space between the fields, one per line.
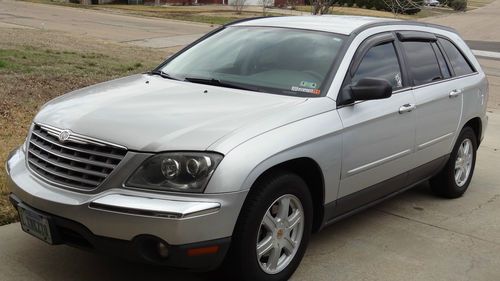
x=308 y=84
x=306 y=90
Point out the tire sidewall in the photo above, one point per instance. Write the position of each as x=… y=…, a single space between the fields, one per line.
x=247 y=238
x=467 y=133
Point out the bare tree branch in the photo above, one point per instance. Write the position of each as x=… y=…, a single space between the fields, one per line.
x=265 y=4
x=238 y=5
x=401 y=6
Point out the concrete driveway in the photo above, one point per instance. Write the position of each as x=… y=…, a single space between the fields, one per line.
x=481 y=24
x=141 y=31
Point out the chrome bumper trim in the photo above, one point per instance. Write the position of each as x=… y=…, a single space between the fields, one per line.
x=153 y=207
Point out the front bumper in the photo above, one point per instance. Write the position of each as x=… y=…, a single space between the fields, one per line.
x=140 y=249
x=127 y=215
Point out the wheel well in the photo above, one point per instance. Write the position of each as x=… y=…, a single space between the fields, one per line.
x=475 y=124
x=311 y=173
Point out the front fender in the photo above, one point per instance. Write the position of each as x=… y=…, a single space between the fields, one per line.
x=316 y=137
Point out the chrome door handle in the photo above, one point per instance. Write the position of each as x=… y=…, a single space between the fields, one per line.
x=455 y=93
x=407 y=108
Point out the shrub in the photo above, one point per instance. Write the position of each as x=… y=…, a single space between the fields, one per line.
x=458 y=5
x=369 y=4
x=379 y=5
x=359 y=3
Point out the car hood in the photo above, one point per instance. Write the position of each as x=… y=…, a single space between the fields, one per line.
x=150 y=113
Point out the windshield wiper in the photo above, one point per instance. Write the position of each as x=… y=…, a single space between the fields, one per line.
x=220 y=83
x=164 y=75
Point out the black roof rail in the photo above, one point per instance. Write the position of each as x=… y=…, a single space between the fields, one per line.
x=402 y=22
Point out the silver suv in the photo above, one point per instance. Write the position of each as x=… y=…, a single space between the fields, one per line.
x=234 y=150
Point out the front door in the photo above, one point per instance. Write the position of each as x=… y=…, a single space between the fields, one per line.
x=379 y=135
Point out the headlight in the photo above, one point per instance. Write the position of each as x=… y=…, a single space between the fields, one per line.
x=177 y=171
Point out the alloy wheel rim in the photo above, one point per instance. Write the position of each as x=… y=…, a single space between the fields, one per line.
x=463 y=162
x=280 y=234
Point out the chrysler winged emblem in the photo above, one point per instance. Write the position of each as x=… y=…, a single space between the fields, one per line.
x=64 y=135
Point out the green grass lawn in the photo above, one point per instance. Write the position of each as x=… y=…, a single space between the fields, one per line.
x=36 y=66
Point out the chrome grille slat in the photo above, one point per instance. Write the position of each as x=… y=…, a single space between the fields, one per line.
x=39 y=166
x=73 y=158
x=118 y=157
x=80 y=163
x=65 y=166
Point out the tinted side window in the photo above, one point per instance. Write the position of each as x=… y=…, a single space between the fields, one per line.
x=380 y=61
x=422 y=62
x=457 y=60
x=442 y=62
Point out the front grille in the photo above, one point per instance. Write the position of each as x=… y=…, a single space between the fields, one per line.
x=79 y=162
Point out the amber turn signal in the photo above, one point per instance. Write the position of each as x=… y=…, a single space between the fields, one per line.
x=202 y=251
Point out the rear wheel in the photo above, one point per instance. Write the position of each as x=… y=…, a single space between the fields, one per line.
x=454 y=179
x=273 y=230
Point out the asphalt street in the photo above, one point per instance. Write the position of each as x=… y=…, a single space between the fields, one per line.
x=140 y=31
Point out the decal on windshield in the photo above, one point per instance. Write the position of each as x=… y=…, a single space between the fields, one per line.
x=306 y=90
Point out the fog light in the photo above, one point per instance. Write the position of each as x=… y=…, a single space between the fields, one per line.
x=162 y=249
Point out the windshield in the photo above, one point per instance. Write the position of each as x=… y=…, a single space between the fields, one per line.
x=275 y=60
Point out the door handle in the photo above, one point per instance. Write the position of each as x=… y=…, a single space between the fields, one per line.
x=455 y=93
x=407 y=108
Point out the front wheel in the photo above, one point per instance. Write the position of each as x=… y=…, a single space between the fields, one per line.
x=273 y=230
x=454 y=179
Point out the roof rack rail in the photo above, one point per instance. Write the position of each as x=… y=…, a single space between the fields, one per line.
x=402 y=22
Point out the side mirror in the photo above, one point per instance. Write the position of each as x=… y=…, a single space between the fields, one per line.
x=366 y=89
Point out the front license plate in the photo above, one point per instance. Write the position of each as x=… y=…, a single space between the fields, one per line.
x=35 y=224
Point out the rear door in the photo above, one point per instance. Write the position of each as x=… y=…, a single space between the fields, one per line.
x=437 y=95
x=378 y=137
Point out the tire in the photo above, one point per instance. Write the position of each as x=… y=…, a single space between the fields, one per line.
x=267 y=197
x=447 y=184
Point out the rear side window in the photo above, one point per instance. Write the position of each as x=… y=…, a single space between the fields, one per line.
x=422 y=62
x=457 y=60
x=382 y=62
